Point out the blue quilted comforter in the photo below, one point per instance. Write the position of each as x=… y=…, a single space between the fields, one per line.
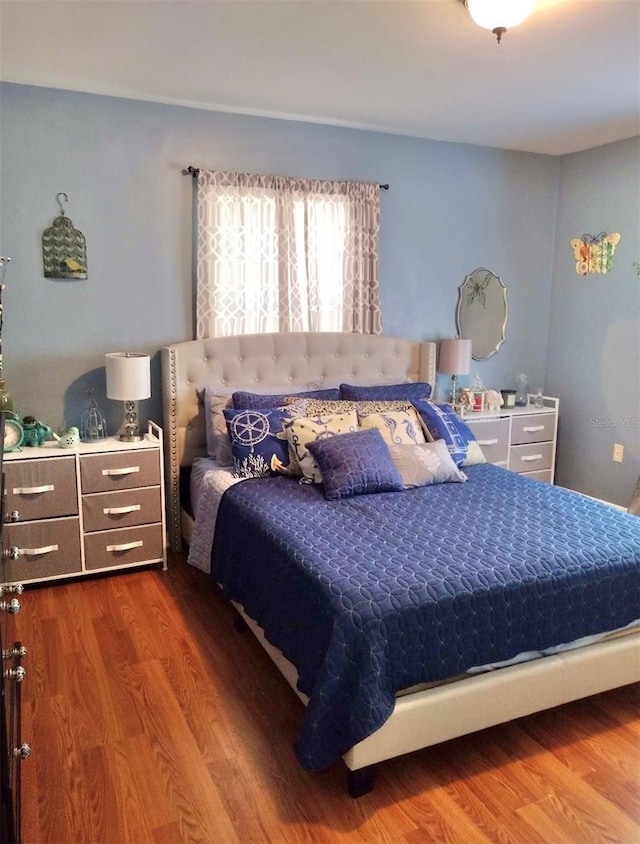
x=370 y=595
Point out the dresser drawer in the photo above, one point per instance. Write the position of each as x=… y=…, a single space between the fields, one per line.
x=543 y=475
x=123 y=547
x=532 y=429
x=530 y=458
x=493 y=438
x=43 y=549
x=107 y=510
x=119 y=470
x=40 y=489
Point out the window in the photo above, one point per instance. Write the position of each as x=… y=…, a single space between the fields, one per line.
x=284 y=254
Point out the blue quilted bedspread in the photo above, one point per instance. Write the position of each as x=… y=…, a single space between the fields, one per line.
x=372 y=594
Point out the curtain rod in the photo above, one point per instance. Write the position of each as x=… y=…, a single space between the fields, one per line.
x=193 y=171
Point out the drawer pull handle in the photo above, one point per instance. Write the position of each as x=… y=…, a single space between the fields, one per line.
x=116 y=511
x=126 y=546
x=529 y=457
x=488 y=442
x=126 y=470
x=16 y=553
x=33 y=490
x=531 y=428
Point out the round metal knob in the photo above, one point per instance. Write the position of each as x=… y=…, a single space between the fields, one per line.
x=14 y=553
x=12 y=606
x=17 y=588
x=14 y=516
x=19 y=650
x=22 y=752
x=18 y=674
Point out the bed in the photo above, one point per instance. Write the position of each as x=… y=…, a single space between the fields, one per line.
x=456 y=703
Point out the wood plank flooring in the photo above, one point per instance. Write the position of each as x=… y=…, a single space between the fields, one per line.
x=152 y=720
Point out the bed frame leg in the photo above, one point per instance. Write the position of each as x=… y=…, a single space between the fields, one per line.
x=361 y=782
x=239 y=624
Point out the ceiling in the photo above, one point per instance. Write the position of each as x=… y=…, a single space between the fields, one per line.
x=564 y=80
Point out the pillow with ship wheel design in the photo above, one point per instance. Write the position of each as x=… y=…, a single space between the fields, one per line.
x=258 y=442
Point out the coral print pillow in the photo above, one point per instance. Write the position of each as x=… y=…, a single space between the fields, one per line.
x=258 y=442
x=426 y=464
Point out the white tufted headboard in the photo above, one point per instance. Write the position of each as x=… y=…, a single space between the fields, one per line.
x=324 y=358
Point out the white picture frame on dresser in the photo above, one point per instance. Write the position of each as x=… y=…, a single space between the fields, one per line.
x=95 y=507
x=522 y=439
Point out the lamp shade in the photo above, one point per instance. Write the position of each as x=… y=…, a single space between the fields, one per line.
x=499 y=14
x=128 y=376
x=454 y=357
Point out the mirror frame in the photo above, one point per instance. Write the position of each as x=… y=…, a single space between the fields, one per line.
x=474 y=286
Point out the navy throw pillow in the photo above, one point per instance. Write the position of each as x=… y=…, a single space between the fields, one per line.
x=254 y=401
x=355 y=464
x=408 y=390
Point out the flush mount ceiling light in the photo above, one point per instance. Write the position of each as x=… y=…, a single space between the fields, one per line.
x=499 y=15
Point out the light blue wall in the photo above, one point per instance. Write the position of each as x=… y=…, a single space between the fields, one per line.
x=593 y=360
x=451 y=208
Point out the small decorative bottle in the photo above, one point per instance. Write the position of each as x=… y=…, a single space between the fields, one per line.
x=6 y=402
x=522 y=380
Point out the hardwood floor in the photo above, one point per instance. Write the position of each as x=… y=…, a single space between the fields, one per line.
x=152 y=720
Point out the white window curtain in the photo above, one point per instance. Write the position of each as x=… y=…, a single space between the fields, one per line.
x=285 y=254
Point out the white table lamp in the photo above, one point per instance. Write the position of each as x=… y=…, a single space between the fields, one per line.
x=454 y=359
x=128 y=380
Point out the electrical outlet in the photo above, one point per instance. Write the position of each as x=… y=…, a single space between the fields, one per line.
x=618 y=453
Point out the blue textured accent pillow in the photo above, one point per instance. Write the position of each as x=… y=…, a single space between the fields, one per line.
x=408 y=390
x=256 y=401
x=258 y=442
x=443 y=423
x=355 y=464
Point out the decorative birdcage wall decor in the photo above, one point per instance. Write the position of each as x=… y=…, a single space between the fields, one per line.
x=64 y=248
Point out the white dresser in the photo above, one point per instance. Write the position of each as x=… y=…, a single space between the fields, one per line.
x=522 y=439
x=96 y=507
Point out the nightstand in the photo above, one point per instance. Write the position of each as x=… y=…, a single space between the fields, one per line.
x=522 y=439
x=96 y=507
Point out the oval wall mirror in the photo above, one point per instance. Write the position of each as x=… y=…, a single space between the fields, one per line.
x=481 y=314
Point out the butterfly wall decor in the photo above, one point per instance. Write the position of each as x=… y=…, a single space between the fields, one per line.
x=594 y=253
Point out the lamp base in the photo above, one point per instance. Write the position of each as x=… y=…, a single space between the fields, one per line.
x=129 y=428
x=131 y=438
x=454 y=390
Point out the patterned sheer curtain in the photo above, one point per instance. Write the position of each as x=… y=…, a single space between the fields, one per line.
x=285 y=254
